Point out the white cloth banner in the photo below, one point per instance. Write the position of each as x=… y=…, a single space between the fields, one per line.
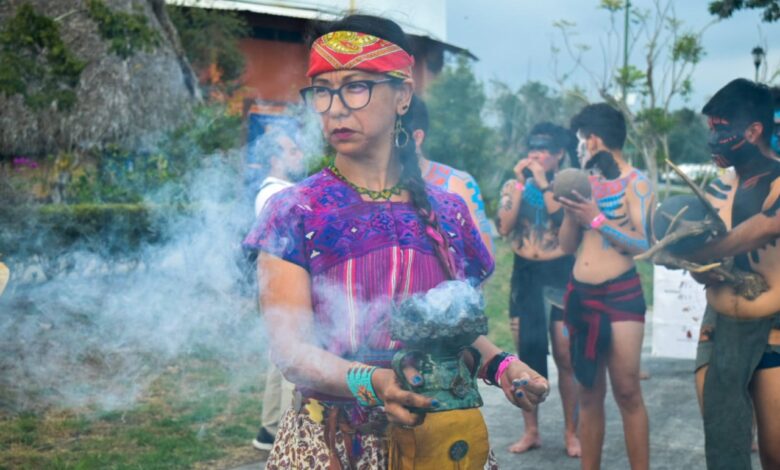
x=678 y=307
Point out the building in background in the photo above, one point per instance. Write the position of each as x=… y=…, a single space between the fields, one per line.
x=276 y=55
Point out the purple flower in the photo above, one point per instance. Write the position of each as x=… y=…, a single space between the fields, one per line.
x=24 y=162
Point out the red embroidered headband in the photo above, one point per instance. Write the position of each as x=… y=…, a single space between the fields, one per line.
x=349 y=50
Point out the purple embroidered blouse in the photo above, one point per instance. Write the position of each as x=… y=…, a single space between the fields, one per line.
x=362 y=254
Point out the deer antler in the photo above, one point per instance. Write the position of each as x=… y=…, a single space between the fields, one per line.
x=745 y=284
x=686 y=229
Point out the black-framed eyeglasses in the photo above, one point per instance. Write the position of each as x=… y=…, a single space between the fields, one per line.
x=354 y=95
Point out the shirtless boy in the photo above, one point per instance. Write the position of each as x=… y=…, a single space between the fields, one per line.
x=605 y=308
x=738 y=359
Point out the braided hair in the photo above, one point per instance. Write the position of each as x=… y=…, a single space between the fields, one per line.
x=411 y=176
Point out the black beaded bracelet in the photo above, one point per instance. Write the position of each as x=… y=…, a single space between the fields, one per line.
x=492 y=368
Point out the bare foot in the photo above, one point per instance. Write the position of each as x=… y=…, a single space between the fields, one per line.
x=526 y=443
x=644 y=375
x=573 y=449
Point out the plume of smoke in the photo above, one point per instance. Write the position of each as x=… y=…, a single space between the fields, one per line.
x=448 y=303
x=99 y=339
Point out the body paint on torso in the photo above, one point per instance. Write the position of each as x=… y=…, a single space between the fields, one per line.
x=610 y=195
x=749 y=200
x=535 y=225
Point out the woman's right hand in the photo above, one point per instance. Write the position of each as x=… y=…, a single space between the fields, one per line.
x=397 y=400
x=523 y=386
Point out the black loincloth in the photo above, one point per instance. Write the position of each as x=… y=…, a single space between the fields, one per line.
x=589 y=312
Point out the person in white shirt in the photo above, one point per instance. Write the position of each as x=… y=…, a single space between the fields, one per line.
x=282 y=157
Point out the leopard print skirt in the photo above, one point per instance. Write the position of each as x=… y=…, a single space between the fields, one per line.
x=300 y=444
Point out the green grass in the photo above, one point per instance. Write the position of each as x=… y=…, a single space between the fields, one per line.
x=645 y=270
x=191 y=416
x=497 y=298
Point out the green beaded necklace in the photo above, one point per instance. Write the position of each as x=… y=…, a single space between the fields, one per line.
x=385 y=194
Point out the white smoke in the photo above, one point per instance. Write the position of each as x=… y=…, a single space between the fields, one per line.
x=92 y=338
x=98 y=337
x=448 y=303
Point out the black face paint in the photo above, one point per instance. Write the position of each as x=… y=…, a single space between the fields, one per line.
x=727 y=144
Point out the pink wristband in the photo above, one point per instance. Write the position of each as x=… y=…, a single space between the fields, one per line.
x=502 y=367
x=598 y=221
x=519 y=186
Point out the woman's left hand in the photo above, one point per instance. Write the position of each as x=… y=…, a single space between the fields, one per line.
x=523 y=386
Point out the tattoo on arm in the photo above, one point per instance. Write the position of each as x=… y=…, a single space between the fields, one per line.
x=506 y=202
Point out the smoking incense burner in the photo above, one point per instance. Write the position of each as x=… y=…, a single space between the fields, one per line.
x=438 y=344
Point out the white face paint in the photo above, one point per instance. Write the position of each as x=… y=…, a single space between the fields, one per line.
x=582 y=149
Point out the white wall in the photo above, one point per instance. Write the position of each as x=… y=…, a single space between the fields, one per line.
x=678 y=307
x=418 y=17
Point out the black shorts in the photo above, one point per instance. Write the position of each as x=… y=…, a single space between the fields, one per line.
x=531 y=281
x=534 y=282
x=770 y=359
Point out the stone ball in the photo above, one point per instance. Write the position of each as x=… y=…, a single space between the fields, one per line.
x=570 y=179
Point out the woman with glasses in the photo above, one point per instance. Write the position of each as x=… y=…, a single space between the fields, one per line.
x=340 y=248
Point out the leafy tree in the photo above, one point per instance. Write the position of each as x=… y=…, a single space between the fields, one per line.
x=211 y=38
x=688 y=137
x=516 y=112
x=457 y=133
x=38 y=65
x=36 y=62
x=726 y=8
x=126 y=33
x=671 y=53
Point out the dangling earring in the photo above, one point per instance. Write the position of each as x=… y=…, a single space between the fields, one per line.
x=401 y=136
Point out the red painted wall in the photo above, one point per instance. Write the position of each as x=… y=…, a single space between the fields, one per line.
x=275 y=71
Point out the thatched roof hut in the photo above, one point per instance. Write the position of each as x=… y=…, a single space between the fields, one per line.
x=125 y=101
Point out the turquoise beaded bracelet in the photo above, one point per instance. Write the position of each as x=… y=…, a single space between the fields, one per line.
x=359 y=383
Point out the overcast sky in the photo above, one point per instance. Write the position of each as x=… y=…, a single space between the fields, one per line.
x=513 y=38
